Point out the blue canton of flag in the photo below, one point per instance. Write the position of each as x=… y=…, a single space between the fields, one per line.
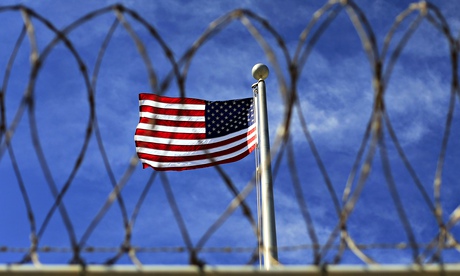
x=224 y=117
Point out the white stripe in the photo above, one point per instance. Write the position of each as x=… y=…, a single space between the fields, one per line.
x=172 y=105
x=196 y=162
x=172 y=117
x=171 y=128
x=244 y=140
x=167 y=141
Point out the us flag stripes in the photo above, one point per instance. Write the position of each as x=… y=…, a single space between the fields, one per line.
x=185 y=133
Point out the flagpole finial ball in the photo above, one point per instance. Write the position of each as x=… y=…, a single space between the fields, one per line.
x=260 y=71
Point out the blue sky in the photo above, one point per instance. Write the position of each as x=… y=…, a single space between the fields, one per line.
x=334 y=90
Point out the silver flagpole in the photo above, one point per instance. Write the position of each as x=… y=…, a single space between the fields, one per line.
x=260 y=73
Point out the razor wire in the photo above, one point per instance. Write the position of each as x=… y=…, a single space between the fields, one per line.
x=373 y=144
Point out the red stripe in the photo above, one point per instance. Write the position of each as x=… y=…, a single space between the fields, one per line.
x=209 y=155
x=169 y=111
x=171 y=123
x=171 y=147
x=230 y=160
x=171 y=135
x=164 y=99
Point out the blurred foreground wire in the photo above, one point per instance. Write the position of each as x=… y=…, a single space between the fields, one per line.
x=373 y=145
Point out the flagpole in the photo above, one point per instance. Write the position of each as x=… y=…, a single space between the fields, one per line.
x=260 y=73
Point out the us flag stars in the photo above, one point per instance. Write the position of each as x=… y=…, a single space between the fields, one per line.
x=224 y=117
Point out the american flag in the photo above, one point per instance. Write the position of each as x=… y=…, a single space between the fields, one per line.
x=185 y=133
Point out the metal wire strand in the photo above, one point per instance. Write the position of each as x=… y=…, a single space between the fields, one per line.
x=379 y=135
